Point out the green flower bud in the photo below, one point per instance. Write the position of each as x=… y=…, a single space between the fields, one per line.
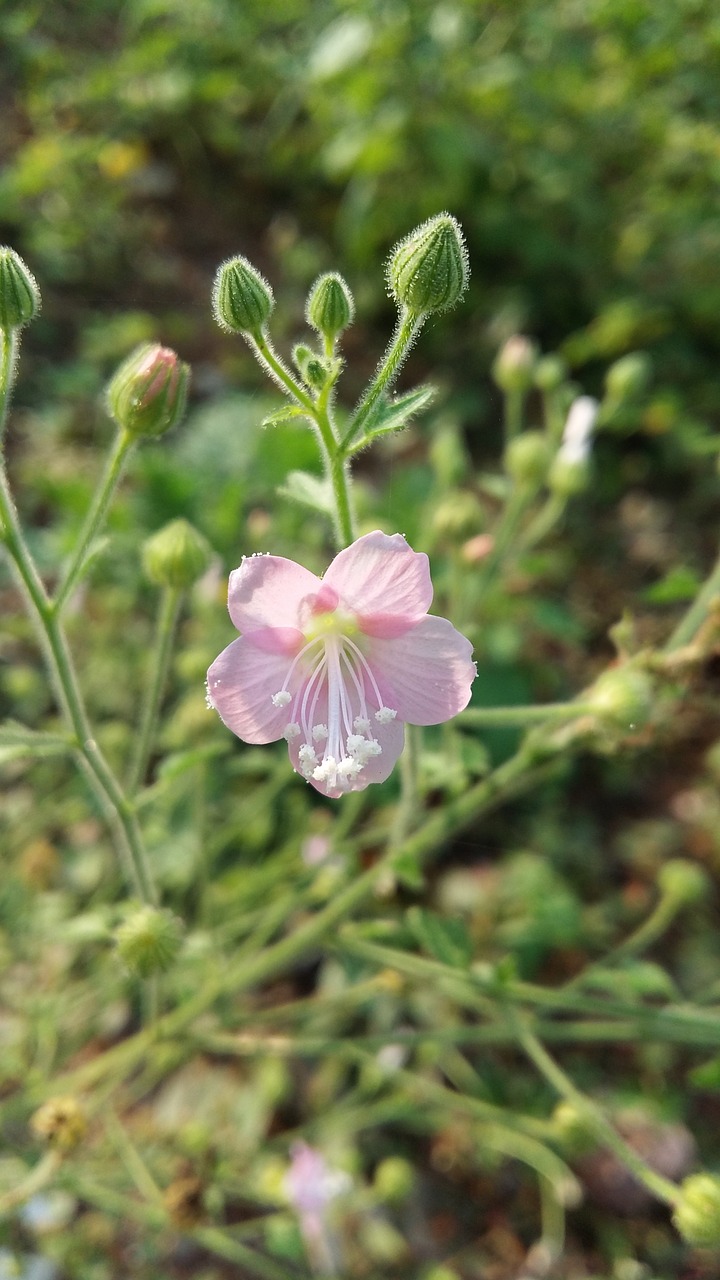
x=550 y=373
x=19 y=294
x=628 y=377
x=312 y=368
x=428 y=270
x=571 y=1129
x=148 y=941
x=514 y=365
x=242 y=300
x=527 y=458
x=697 y=1212
x=623 y=694
x=394 y=1179
x=330 y=307
x=176 y=556
x=458 y=515
x=568 y=477
x=148 y=394
x=683 y=880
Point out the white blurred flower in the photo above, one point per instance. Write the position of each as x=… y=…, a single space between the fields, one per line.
x=578 y=430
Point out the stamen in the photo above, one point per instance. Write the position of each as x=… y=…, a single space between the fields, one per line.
x=319 y=732
x=384 y=715
x=361 y=724
x=282 y=698
x=291 y=731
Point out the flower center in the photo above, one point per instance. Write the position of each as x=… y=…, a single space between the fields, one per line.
x=339 y=681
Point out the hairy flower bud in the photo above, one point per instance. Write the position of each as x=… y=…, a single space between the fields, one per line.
x=697 y=1212
x=330 y=307
x=312 y=368
x=148 y=941
x=624 y=694
x=61 y=1122
x=176 y=556
x=242 y=300
x=428 y=270
x=527 y=458
x=148 y=394
x=514 y=365
x=19 y=294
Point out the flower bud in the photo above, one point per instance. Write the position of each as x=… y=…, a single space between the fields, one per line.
x=330 y=307
x=623 y=694
x=394 y=1179
x=683 y=880
x=568 y=476
x=697 y=1212
x=312 y=368
x=242 y=300
x=515 y=363
x=148 y=394
x=550 y=373
x=176 y=556
x=19 y=294
x=148 y=941
x=571 y=1129
x=61 y=1122
x=628 y=377
x=527 y=458
x=428 y=270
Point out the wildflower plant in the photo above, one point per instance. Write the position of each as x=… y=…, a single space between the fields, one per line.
x=339 y=656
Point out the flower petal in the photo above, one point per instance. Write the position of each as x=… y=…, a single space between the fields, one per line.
x=425 y=674
x=384 y=582
x=241 y=684
x=268 y=592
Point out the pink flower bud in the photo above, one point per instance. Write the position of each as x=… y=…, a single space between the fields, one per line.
x=147 y=395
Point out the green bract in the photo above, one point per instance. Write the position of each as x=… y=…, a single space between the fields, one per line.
x=242 y=300
x=19 y=294
x=428 y=270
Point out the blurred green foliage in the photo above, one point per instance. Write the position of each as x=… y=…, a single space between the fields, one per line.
x=579 y=144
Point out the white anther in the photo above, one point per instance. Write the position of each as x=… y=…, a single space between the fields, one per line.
x=291 y=731
x=320 y=732
x=384 y=715
x=361 y=724
x=281 y=699
x=356 y=743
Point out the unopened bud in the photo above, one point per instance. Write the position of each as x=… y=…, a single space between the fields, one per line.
x=572 y=1130
x=683 y=880
x=312 y=368
x=61 y=1122
x=19 y=294
x=176 y=556
x=148 y=941
x=394 y=1179
x=568 y=476
x=550 y=373
x=527 y=458
x=623 y=694
x=628 y=377
x=242 y=300
x=330 y=307
x=697 y=1212
x=458 y=515
x=428 y=270
x=148 y=394
x=514 y=365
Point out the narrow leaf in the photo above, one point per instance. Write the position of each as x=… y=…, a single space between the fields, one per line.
x=310 y=491
x=286 y=414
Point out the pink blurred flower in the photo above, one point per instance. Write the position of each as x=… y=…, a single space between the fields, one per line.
x=338 y=665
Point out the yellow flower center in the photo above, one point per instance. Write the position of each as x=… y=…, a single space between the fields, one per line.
x=336 y=623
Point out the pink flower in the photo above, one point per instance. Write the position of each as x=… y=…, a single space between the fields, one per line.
x=338 y=665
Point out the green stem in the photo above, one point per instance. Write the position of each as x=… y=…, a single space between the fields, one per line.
x=690 y=624
x=94 y=519
x=114 y=804
x=169 y=612
x=513 y=414
x=659 y=1186
x=507 y=717
x=408 y=327
x=657 y=923
x=267 y=357
x=503 y=535
x=547 y=517
x=9 y=345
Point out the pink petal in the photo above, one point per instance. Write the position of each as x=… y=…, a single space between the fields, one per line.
x=384 y=582
x=241 y=684
x=269 y=592
x=427 y=673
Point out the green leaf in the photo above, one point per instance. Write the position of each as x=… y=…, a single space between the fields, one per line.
x=310 y=491
x=446 y=939
x=286 y=414
x=393 y=415
x=679 y=585
x=633 y=979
